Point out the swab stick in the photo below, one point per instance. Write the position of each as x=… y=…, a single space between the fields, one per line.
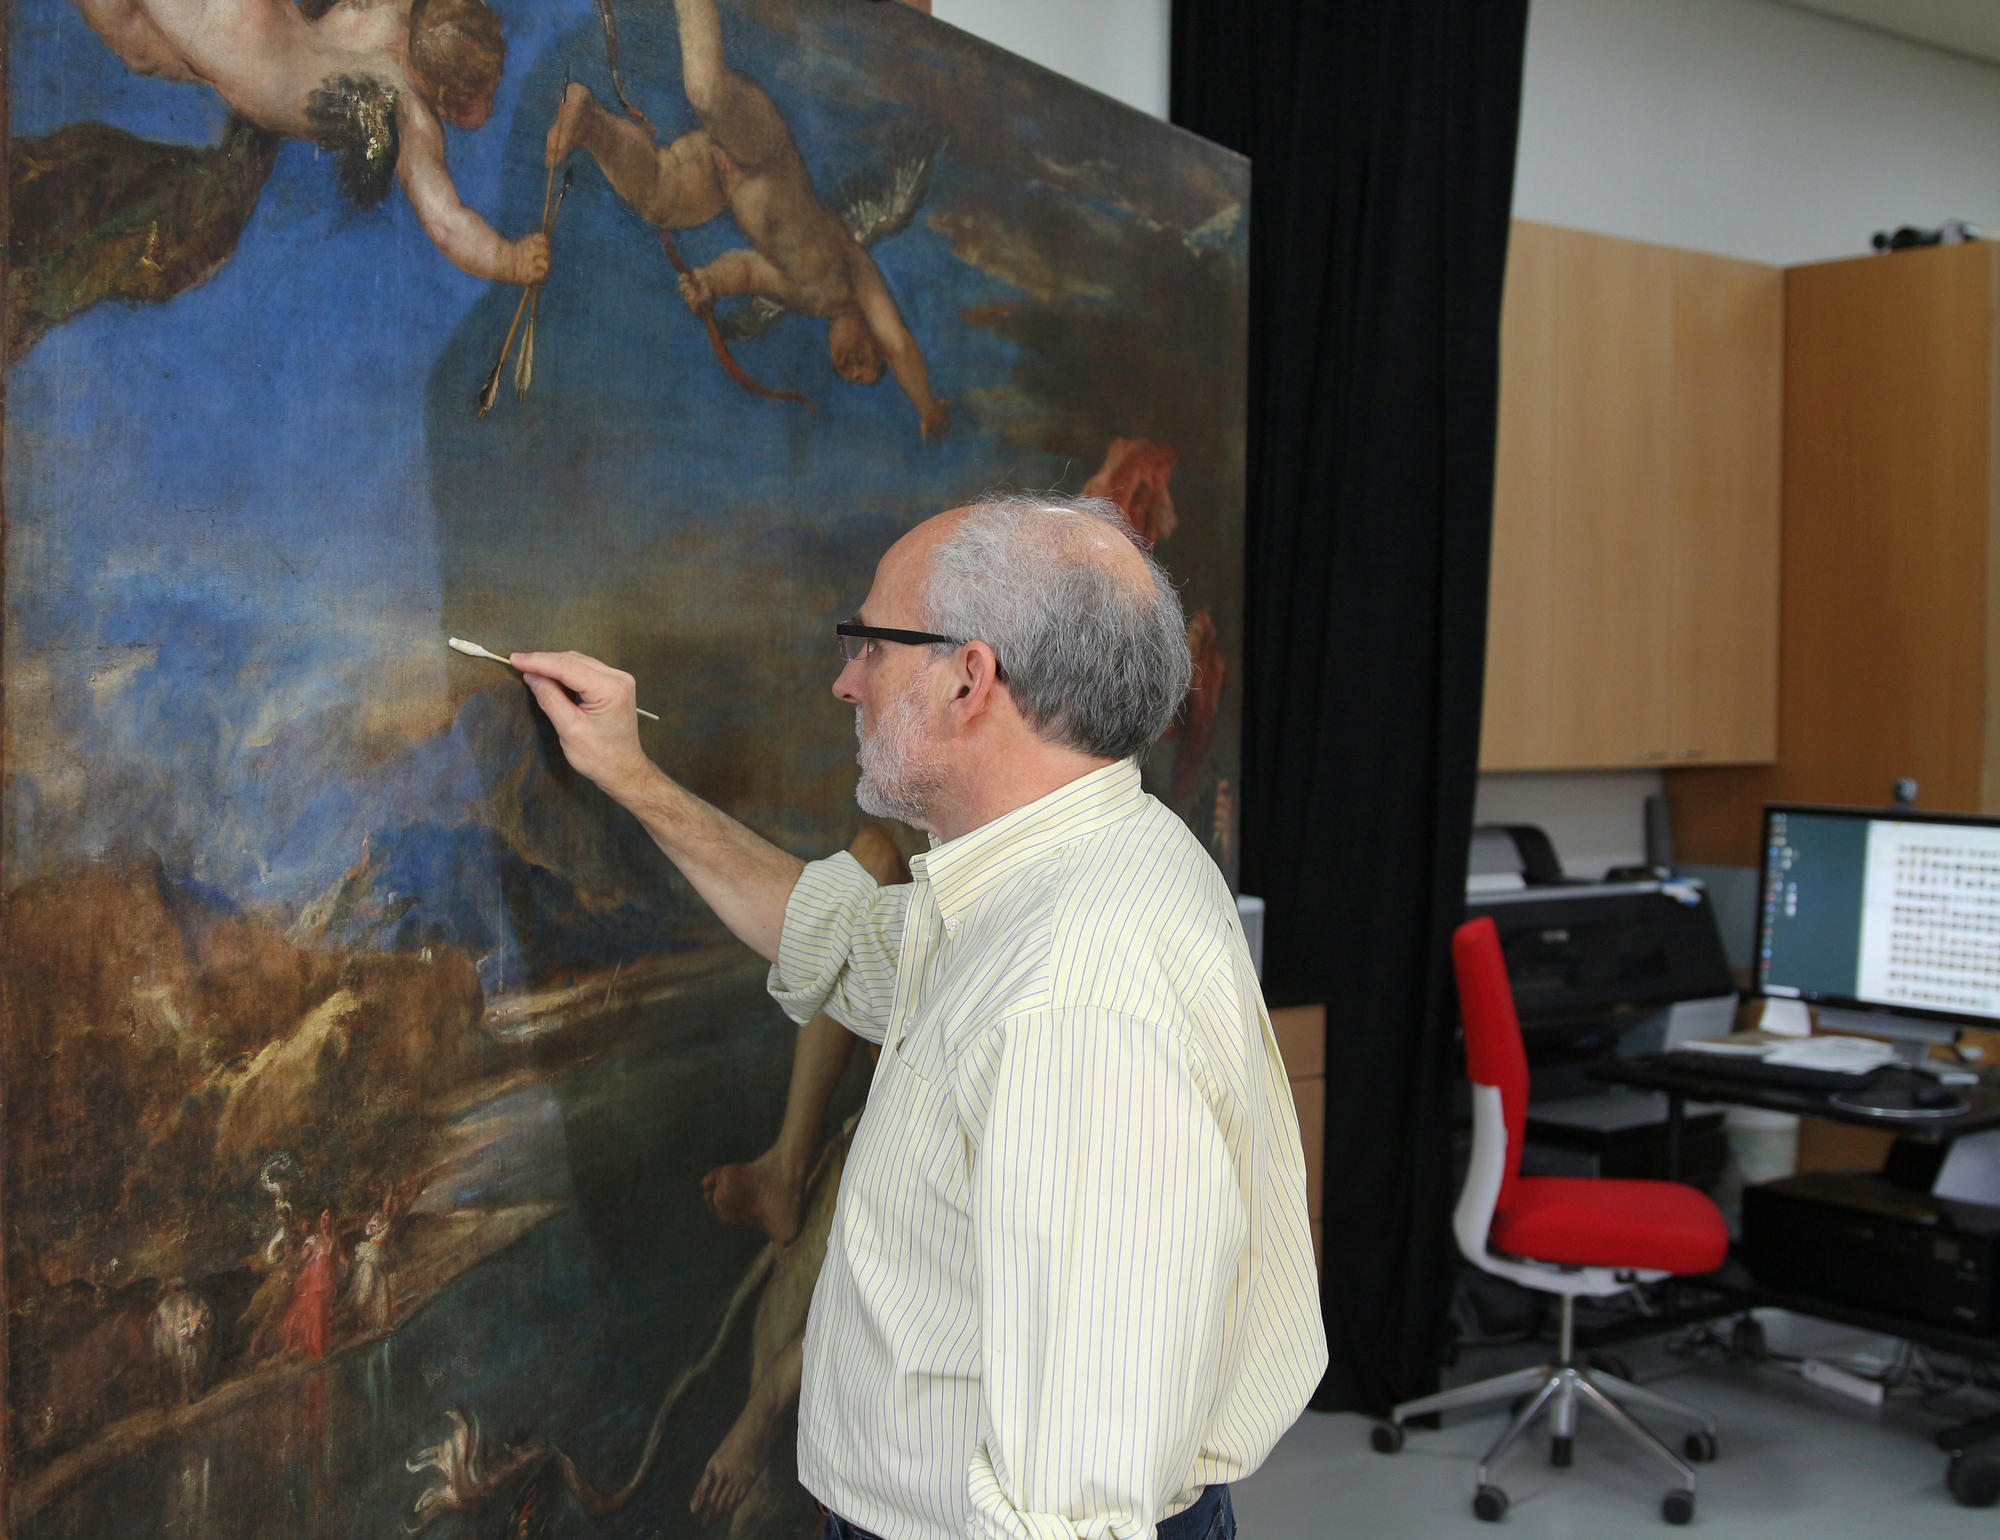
x=474 y=650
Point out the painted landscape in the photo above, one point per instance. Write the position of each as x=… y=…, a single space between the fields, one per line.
x=378 y=1103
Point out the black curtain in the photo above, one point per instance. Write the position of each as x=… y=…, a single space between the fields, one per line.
x=1381 y=139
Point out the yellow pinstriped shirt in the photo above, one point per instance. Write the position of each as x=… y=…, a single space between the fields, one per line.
x=1070 y=1280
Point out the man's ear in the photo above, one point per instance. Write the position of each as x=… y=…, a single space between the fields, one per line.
x=975 y=681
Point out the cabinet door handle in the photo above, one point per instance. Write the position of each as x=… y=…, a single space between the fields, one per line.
x=1688 y=753
x=1648 y=755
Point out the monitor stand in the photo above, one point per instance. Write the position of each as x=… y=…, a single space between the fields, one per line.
x=1913 y=1036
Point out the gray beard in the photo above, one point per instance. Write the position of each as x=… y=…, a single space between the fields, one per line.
x=899 y=773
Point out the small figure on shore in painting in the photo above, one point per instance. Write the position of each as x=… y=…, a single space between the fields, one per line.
x=307 y=1324
x=368 y=81
x=743 y=159
x=369 y=1300
x=183 y=1335
x=280 y=1260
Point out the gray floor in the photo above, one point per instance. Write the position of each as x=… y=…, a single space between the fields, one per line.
x=1796 y=1461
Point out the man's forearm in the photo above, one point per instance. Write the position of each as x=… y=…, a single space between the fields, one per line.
x=741 y=875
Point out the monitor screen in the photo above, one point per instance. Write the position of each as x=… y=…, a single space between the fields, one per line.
x=1890 y=912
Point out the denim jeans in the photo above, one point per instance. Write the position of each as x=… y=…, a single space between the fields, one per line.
x=1210 y=1517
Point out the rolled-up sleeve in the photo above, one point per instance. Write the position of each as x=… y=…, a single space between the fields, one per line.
x=838 y=951
x=1110 y=1227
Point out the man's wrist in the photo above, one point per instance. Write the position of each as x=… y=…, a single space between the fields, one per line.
x=652 y=796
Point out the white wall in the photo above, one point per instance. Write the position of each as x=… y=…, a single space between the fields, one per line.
x=1118 y=47
x=1747 y=128
x=1750 y=130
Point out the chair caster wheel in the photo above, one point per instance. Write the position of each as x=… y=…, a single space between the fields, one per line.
x=1490 y=1504
x=1611 y=1364
x=1562 y=1451
x=1699 y=1447
x=1387 y=1437
x=1746 y=1339
x=1677 y=1507
x=1974 y=1478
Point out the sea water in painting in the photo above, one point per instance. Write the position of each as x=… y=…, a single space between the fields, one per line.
x=393 y=1142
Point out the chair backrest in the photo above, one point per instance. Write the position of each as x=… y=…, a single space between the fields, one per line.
x=1493 y=1053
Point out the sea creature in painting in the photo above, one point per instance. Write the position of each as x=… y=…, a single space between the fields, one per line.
x=743 y=160
x=464 y=1478
x=469 y=1478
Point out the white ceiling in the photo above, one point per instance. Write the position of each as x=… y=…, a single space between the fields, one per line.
x=1970 y=27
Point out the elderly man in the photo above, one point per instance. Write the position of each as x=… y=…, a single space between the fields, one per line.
x=1069 y=1289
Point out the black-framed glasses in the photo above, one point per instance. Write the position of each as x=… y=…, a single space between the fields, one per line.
x=855 y=637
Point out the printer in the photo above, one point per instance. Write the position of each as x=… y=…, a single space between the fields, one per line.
x=1627 y=966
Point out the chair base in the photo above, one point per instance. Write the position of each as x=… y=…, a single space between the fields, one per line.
x=1556 y=1391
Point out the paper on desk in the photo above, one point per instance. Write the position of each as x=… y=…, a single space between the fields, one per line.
x=1851 y=1055
x=1785 y=1018
x=1971 y=1169
x=1737 y=1045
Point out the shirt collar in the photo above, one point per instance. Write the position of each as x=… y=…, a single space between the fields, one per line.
x=960 y=871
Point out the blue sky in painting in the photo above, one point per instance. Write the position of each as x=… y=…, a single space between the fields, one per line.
x=266 y=430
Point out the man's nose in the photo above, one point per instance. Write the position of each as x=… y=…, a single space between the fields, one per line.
x=847 y=683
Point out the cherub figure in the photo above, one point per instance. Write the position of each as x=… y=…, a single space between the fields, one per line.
x=367 y=79
x=743 y=160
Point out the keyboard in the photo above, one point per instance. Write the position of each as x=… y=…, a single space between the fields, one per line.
x=1749 y=1071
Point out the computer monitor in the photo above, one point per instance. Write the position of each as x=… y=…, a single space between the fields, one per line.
x=1892 y=915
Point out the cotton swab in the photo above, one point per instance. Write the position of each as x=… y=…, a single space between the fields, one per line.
x=474 y=650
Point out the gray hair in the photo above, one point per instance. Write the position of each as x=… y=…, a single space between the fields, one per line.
x=1095 y=663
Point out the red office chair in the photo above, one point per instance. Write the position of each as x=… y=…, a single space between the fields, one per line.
x=1563 y=1235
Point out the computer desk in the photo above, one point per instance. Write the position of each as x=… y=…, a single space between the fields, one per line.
x=1973 y=1446
x=1683 y=1083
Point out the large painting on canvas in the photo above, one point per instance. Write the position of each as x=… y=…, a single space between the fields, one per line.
x=388 y=1131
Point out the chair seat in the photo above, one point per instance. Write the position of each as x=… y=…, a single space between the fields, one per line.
x=1608 y=1222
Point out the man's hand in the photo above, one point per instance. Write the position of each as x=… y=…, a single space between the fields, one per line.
x=526 y=260
x=741 y=875
x=592 y=707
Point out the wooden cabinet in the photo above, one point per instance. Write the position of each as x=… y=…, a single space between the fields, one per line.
x=1891 y=565
x=1301 y=1034
x=1727 y=481
x=1516 y=724
x=1632 y=615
